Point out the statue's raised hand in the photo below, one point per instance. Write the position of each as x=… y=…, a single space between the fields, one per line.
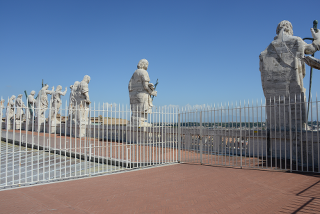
x=315 y=35
x=52 y=88
x=154 y=93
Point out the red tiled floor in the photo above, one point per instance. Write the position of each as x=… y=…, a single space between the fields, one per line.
x=179 y=188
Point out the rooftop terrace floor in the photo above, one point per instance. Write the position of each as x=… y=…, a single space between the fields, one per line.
x=177 y=188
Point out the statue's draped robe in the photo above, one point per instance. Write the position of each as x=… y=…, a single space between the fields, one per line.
x=10 y=110
x=282 y=73
x=20 y=106
x=140 y=97
x=32 y=103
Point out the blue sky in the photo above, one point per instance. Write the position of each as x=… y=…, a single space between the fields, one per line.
x=202 y=52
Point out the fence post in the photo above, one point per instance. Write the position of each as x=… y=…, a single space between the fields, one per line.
x=179 y=138
x=240 y=137
x=200 y=138
x=290 y=132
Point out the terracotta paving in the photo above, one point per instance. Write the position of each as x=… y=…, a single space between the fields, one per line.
x=178 y=188
x=160 y=153
x=117 y=150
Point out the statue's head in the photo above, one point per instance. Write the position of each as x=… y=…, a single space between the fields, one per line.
x=20 y=96
x=59 y=88
x=86 y=78
x=287 y=26
x=143 y=64
x=13 y=97
x=46 y=86
x=32 y=93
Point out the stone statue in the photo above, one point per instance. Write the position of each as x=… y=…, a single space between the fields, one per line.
x=20 y=107
x=79 y=99
x=282 y=70
x=79 y=104
x=140 y=91
x=32 y=103
x=10 y=112
x=2 y=104
x=42 y=106
x=73 y=93
x=1 y=111
x=56 y=103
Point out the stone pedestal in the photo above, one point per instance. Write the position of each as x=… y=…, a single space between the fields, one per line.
x=54 y=125
x=140 y=122
x=280 y=110
x=31 y=125
x=77 y=130
x=18 y=124
x=39 y=124
x=9 y=124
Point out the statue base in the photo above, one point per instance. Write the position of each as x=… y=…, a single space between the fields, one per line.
x=77 y=129
x=9 y=125
x=31 y=125
x=18 y=124
x=39 y=124
x=139 y=121
x=54 y=125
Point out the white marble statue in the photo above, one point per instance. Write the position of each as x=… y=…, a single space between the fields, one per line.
x=73 y=93
x=32 y=103
x=10 y=112
x=282 y=70
x=140 y=92
x=79 y=99
x=2 y=104
x=1 y=110
x=20 y=108
x=79 y=105
x=56 y=103
x=42 y=102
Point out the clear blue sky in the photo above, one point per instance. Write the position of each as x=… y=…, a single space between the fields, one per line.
x=202 y=52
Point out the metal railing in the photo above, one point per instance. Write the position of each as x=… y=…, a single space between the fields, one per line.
x=269 y=135
x=107 y=140
x=84 y=141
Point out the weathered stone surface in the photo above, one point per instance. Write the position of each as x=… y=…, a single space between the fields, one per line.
x=282 y=71
x=10 y=112
x=1 y=111
x=32 y=102
x=56 y=104
x=140 y=91
x=42 y=106
x=55 y=107
x=79 y=105
x=20 y=107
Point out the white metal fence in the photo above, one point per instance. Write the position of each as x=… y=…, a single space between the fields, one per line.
x=34 y=152
x=251 y=135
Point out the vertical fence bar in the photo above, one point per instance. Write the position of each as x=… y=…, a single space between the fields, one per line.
x=295 y=128
x=312 y=154
x=280 y=133
x=318 y=144
x=225 y=136
x=200 y=137
x=290 y=132
x=307 y=147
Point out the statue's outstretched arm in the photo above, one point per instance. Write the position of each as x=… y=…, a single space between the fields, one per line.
x=64 y=93
x=315 y=45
